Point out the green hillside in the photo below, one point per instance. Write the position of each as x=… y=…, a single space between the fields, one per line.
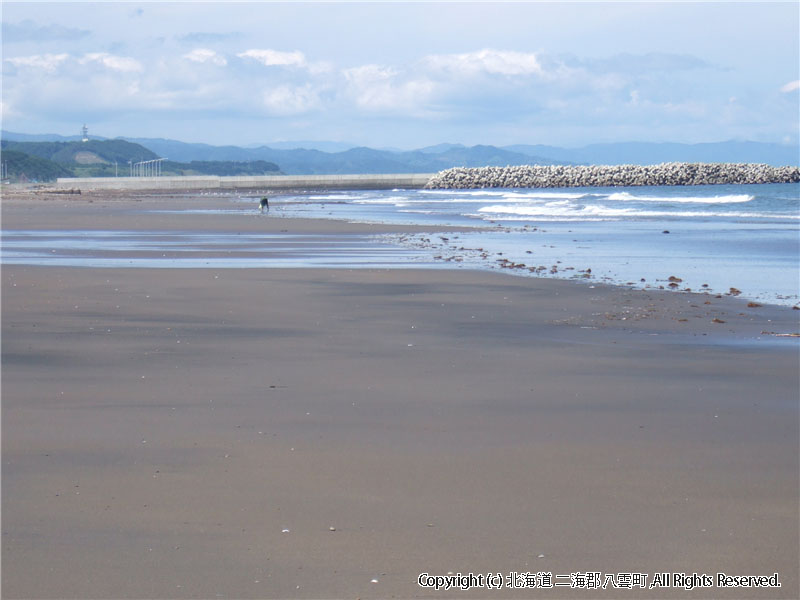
x=24 y=167
x=70 y=153
x=45 y=161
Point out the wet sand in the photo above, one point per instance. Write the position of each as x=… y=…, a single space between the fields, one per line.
x=162 y=428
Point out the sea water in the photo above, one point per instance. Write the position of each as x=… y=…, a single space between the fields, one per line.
x=713 y=238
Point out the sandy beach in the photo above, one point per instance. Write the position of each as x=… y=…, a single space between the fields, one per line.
x=335 y=433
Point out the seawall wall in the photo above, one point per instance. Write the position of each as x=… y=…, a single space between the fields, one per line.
x=527 y=176
x=554 y=176
x=265 y=182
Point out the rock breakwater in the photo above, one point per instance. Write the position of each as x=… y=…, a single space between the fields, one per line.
x=555 y=176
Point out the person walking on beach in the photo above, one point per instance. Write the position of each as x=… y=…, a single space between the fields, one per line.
x=264 y=203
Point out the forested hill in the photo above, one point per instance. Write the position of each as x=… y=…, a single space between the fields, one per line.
x=97 y=157
x=26 y=167
x=45 y=161
x=91 y=152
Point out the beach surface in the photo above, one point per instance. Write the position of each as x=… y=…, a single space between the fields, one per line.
x=336 y=433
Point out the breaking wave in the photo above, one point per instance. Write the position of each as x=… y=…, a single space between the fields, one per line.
x=730 y=199
x=575 y=211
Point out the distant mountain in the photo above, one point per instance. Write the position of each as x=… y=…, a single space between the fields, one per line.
x=310 y=145
x=302 y=161
x=324 y=146
x=196 y=151
x=187 y=152
x=439 y=148
x=299 y=158
x=11 y=136
x=646 y=153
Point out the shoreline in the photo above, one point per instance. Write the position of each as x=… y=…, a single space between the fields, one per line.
x=306 y=433
x=144 y=211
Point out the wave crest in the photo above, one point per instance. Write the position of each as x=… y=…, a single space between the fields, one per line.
x=729 y=199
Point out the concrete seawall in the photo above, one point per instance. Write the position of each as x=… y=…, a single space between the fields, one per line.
x=555 y=176
x=527 y=176
x=265 y=182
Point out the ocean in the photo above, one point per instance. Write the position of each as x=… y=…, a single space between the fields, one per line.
x=712 y=238
x=740 y=239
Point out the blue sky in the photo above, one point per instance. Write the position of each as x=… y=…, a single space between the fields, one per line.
x=407 y=74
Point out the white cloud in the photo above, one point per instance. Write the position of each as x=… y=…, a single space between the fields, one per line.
x=687 y=108
x=321 y=68
x=111 y=61
x=48 y=62
x=519 y=69
x=377 y=88
x=275 y=58
x=489 y=61
x=204 y=55
x=369 y=74
x=291 y=100
x=6 y=110
x=791 y=86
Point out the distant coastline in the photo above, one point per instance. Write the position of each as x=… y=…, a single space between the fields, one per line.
x=52 y=156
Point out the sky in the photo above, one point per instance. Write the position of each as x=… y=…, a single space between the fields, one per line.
x=404 y=74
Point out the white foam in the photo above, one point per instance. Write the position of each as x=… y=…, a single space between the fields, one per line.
x=564 y=209
x=729 y=199
x=544 y=195
x=464 y=192
x=393 y=200
x=336 y=197
x=479 y=195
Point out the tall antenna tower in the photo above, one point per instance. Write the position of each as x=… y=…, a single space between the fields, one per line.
x=84 y=133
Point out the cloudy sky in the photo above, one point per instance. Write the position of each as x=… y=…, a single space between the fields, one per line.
x=405 y=74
